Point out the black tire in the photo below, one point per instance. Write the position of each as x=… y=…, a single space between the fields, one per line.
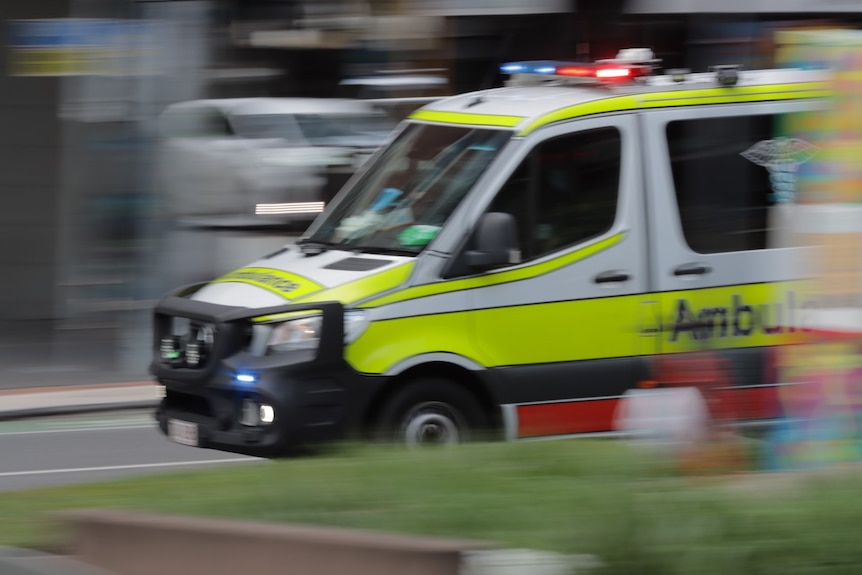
x=430 y=410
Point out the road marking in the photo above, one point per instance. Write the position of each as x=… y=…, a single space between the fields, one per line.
x=121 y=467
x=107 y=424
x=102 y=424
x=78 y=429
x=97 y=421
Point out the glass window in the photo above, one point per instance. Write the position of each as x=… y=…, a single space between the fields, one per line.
x=345 y=129
x=723 y=191
x=358 y=130
x=565 y=191
x=196 y=122
x=408 y=194
x=268 y=126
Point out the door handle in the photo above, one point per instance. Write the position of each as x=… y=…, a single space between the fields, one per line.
x=692 y=270
x=612 y=277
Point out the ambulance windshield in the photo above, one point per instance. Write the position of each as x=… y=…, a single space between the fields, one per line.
x=405 y=198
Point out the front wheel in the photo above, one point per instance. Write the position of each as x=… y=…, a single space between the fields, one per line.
x=431 y=411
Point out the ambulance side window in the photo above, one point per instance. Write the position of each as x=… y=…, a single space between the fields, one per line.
x=565 y=191
x=723 y=196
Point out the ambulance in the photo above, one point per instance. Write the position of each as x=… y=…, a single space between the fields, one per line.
x=509 y=264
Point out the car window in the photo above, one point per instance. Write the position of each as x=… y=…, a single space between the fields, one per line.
x=196 y=122
x=723 y=175
x=268 y=126
x=344 y=129
x=358 y=129
x=565 y=192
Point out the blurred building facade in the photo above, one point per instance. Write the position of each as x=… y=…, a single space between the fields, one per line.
x=84 y=81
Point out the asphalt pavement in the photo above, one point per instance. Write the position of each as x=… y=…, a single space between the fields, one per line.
x=56 y=451
x=58 y=389
x=85 y=447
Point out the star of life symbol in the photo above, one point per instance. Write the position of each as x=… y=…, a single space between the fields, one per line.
x=782 y=157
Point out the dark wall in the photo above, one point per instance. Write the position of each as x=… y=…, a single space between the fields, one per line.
x=30 y=158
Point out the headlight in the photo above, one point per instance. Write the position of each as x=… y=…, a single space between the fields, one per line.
x=355 y=322
x=303 y=333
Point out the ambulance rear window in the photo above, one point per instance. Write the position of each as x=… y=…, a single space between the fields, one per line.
x=723 y=196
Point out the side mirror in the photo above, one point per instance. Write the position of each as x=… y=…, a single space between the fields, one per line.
x=496 y=242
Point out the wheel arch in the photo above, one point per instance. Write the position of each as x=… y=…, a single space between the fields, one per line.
x=471 y=380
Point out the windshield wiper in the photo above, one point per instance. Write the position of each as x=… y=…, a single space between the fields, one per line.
x=382 y=250
x=312 y=247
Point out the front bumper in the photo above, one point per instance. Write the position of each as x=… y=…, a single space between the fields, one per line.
x=312 y=393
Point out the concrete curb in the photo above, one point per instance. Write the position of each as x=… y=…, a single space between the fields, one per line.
x=130 y=543
x=15 y=561
x=74 y=387
x=35 y=412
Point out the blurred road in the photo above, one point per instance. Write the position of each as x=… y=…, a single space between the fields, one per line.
x=80 y=449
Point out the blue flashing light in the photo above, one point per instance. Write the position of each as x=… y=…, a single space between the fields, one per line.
x=543 y=67
x=245 y=378
x=513 y=68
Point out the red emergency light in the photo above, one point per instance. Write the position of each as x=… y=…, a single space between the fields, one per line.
x=628 y=65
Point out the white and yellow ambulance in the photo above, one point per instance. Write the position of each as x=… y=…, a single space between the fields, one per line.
x=512 y=260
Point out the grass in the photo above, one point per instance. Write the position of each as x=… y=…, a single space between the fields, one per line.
x=595 y=497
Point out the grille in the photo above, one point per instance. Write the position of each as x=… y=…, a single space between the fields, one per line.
x=187 y=344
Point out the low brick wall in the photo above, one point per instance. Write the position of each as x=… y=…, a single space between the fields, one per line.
x=142 y=544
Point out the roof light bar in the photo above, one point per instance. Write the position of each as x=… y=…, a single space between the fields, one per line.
x=594 y=71
x=628 y=65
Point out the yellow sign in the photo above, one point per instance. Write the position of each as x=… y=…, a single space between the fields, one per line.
x=59 y=62
x=82 y=47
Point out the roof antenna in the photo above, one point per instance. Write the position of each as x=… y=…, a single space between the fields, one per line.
x=727 y=75
x=475 y=102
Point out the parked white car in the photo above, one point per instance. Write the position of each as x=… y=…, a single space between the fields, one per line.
x=262 y=161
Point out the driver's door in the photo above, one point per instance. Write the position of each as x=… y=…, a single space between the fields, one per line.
x=564 y=328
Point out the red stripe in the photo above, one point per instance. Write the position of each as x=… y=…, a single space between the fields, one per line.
x=755 y=403
x=834 y=334
x=597 y=415
x=566 y=417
